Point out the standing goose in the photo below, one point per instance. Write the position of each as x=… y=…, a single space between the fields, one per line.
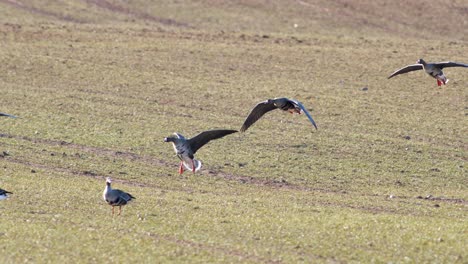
x=7 y=115
x=115 y=197
x=284 y=104
x=4 y=194
x=433 y=69
x=186 y=148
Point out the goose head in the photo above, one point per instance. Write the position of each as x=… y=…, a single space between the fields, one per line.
x=421 y=61
x=169 y=139
x=174 y=138
x=108 y=183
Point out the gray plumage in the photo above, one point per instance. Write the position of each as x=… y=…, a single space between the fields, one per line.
x=432 y=69
x=284 y=104
x=186 y=148
x=115 y=197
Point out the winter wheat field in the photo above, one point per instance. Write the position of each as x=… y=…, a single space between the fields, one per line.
x=98 y=84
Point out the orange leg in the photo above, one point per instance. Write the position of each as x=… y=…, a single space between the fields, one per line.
x=112 y=210
x=181 y=167
x=120 y=210
x=439 y=83
x=193 y=166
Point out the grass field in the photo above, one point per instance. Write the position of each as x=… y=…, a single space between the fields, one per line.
x=98 y=84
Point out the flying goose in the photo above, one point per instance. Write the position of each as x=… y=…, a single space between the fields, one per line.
x=115 y=197
x=433 y=69
x=7 y=115
x=4 y=194
x=284 y=104
x=186 y=148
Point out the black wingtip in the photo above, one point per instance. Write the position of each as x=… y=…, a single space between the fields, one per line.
x=230 y=131
x=8 y=115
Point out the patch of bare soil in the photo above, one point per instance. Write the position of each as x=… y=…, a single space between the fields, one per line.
x=443 y=199
x=151 y=161
x=230 y=252
x=156 y=162
x=104 y=4
x=90 y=174
x=34 y=10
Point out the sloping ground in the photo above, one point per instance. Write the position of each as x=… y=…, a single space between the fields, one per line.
x=445 y=19
x=98 y=84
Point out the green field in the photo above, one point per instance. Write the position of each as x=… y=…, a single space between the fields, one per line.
x=98 y=84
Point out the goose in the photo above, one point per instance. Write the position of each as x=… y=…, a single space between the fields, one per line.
x=186 y=148
x=4 y=194
x=115 y=197
x=433 y=69
x=285 y=104
x=7 y=115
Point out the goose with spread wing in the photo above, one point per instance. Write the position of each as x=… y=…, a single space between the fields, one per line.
x=186 y=148
x=284 y=104
x=432 y=69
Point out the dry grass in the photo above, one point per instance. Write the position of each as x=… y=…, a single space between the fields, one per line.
x=98 y=85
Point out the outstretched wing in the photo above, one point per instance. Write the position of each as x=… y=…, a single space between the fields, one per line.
x=8 y=115
x=447 y=64
x=205 y=137
x=306 y=112
x=258 y=111
x=406 y=69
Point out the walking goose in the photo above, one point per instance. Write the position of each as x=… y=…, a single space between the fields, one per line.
x=115 y=197
x=284 y=104
x=186 y=148
x=433 y=69
x=4 y=194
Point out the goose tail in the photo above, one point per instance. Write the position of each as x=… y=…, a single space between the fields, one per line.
x=197 y=164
